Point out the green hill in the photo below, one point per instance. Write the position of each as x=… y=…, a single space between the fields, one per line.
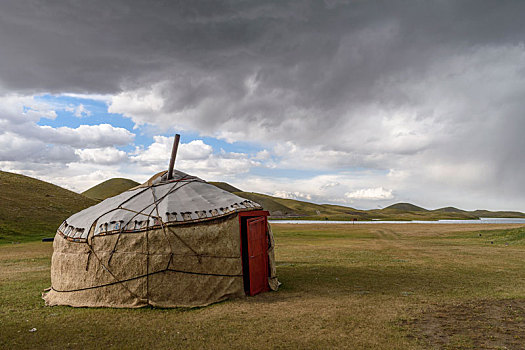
x=269 y=203
x=321 y=211
x=449 y=210
x=497 y=214
x=109 y=188
x=31 y=209
x=405 y=207
x=288 y=208
x=225 y=186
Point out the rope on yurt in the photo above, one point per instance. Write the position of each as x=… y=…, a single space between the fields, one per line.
x=155 y=203
x=147 y=264
x=160 y=220
x=142 y=276
x=87 y=261
x=169 y=261
x=163 y=224
x=117 y=281
x=164 y=227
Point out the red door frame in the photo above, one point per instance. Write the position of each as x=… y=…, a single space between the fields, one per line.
x=247 y=215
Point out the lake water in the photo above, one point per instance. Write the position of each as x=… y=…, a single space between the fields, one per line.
x=480 y=221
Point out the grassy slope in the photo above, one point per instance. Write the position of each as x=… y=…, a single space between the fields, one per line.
x=225 y=186
x=269 y=203
x=497 y=214
x=32 y=209
x=405 y=207
x=344 y=286
x=109 y=188
x=449 y=210
x=280 y=207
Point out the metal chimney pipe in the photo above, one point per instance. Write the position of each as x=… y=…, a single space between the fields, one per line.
x=173 y=155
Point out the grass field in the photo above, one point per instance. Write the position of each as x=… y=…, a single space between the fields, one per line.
x=381 y=286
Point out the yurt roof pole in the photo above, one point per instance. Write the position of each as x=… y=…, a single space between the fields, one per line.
x=173 y=155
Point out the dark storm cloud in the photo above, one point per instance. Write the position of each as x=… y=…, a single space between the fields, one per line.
x=432 y=88
x=99 y=46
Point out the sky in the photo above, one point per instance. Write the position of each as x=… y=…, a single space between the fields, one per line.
x=358 y=103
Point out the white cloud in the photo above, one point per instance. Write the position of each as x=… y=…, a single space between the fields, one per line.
x=195 y=150
x=14 y=147
x=66 y=156
x=79 y=111
x=86 y=136
x=378 y=193
x=329 y=188
x=263 y=155
x=19 y=114
x=160 y=150
x=21 y=109
x=329 y=184
x=195 y=157
x=106 y=155
x=142 y=105
x=292 y=195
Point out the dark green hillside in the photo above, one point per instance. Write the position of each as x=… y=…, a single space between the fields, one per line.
x=31 y=209
x=322 y=211
x=269 y=203
x=225 y=186
x=396 y=213
x=354 y=213
x=497 y=214
x=449 y=210
x=109 y=188
x=282 y=207
x=405 y=207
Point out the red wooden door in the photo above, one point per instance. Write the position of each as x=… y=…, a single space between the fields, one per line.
x=257 y=255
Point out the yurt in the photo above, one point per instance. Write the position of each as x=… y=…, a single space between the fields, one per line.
x=175 y=241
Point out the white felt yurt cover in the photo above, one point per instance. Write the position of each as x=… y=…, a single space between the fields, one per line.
x=184 y=198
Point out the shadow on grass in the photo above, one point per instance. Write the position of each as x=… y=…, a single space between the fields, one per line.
x=423 y=281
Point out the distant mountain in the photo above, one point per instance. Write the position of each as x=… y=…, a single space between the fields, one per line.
x=288 y=208
x=32 y=209
x=109 y=188
x=450 y=210
x=497 y=214
x=405 y=207
x=317 y=211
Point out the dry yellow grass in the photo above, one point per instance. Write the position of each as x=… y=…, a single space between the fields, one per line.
x=344 y=286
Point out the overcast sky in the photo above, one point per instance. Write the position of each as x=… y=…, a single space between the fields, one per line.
x=360 y=103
